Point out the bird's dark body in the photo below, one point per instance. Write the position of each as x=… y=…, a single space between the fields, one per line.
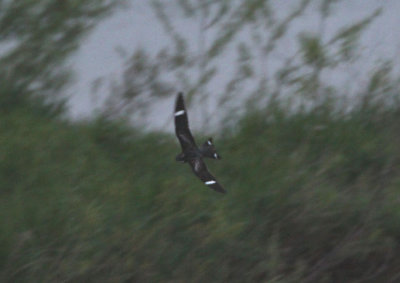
x=191 y=153
x=185 y=157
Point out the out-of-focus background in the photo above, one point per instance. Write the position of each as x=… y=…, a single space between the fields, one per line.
x=302 y=99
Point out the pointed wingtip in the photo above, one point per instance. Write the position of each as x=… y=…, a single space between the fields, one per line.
x=179 y=102
x=179 y=99
x=217 y=187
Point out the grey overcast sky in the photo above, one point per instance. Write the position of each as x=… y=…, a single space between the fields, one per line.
x=136 y=26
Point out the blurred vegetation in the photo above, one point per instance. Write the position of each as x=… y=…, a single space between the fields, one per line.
x=269 y=60
x=313 y=192
x=312 y=197
x=36 y=38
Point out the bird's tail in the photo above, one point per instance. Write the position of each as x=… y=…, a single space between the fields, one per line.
x=208 y=150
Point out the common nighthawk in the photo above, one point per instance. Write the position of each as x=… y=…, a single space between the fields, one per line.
x=190 y=152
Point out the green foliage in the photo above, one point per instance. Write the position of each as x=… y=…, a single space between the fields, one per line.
x=37 y=37
x=312 y=194
x=312 y=50
x=349 y=35
x=312 y=197
x=251 y=25
x=256 y=33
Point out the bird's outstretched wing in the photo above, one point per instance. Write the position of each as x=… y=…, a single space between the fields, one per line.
x=200 y=169
x=182 y=124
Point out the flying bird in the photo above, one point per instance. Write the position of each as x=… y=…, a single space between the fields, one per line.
x=191 y=153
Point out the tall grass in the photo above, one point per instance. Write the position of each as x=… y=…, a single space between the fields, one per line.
x=312 y=197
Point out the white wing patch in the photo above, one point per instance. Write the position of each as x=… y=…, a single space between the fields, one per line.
x=210 y=182
x=215 y=155
x=209 y=142
x=180 y=112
